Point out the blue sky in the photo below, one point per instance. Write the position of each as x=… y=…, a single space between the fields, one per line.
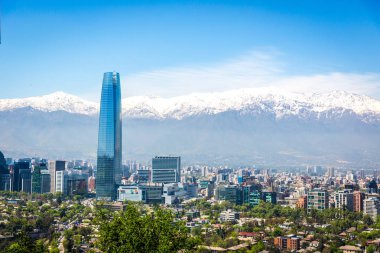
x=169 y=48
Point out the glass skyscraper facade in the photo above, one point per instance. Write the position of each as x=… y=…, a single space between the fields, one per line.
x=108 y=174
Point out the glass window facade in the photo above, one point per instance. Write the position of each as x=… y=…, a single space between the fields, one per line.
x=166 y=169
x=109 y=139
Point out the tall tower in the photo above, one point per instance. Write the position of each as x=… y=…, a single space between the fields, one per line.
x=108 y=174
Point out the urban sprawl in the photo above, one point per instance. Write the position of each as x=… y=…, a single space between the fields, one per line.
x=163 y=206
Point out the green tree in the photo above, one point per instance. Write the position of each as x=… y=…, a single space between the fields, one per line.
x=130 y=231
x=257 y=247
x=370 y=249
x=26 y=245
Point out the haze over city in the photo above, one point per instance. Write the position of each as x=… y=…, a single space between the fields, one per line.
x=189 y=126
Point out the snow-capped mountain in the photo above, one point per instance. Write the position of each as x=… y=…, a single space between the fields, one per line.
x=255 y=101
x=57 y=101
x=248 y=126
x=245 y=101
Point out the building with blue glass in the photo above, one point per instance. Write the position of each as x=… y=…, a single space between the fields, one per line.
x=108 y=175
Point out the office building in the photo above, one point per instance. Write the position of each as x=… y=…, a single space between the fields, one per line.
x=21 y=177
x=77 y=184
x=151 y=193
x=129 y=193
x=255 y=198
x=60 y=181
x=270 y=197
x=243 y=195
x=317 y=199
x=54 y=168
x=227 y=193
x=143 y=176
x=191 y=189
x=5 y=181
x=166 y=169
x=173 y=193
x=5 y=177
x=36 y=180
x=40 y=179
x=45 y=181
x=109 y=158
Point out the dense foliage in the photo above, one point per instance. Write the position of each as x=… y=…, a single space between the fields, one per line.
x=52 y=223
x=129 y=231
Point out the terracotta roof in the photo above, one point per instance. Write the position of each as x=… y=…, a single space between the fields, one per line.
x=237 y=247
x=350 y=247
x=248 y=234
x=212 y=248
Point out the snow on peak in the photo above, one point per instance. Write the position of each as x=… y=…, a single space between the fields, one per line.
x=57 y=101
x=262 y=100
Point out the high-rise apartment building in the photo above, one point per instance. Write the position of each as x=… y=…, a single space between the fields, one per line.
x=371 y=207
x=358 y=201
x=166 y=169
x=54 y=168
x=344 y=200
x=108 y=175
x=317 y=199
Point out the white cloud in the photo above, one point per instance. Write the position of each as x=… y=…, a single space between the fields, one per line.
x=254 y=70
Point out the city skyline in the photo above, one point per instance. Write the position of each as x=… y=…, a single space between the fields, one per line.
x=189 y=126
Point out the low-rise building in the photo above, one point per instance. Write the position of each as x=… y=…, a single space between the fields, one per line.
x=229 y=215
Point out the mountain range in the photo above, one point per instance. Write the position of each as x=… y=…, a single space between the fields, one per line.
x=262 y=127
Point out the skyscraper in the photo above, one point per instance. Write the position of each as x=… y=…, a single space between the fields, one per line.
x=5 y=177
x=21 y=179
x=108 y=174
